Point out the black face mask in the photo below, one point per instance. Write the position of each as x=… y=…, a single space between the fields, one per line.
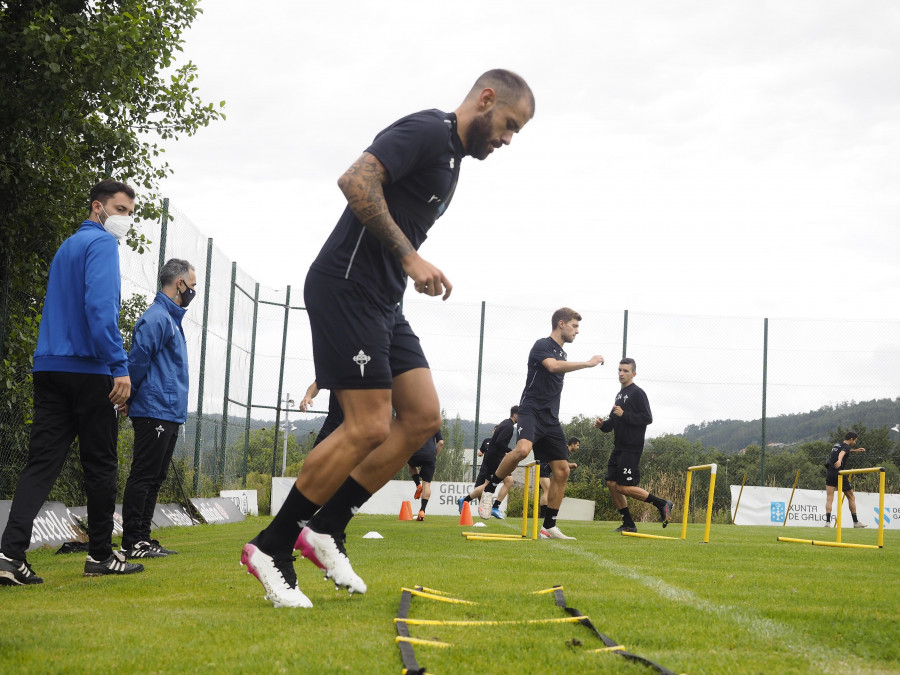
x=187 y=295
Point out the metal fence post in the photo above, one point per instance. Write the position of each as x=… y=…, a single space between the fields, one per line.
x=198 y=431
x=762 y=454
x=478 y=395
x=625 y=336
x=287 y=313
x=224 y=435
x=163 y=231
x=250 y=383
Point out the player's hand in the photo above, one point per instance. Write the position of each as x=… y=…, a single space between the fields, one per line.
x=305 y=403
x=598 y=422
x=121 y=390
x=123 y=410
x=618 y=411
x=860 y=449
x=595 y=360
x=427 y=279
x=837 y=465
x=572 y=466
x=480 y=453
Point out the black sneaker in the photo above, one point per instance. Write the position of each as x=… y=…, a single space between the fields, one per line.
x=625 y=528
x=17 y=573
x=665 y=511
x=156 y=546
x=114 y=564
x=143 y=549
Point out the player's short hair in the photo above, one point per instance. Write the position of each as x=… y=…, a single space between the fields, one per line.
x=564 y=314
x=508 y=86
x=105 y=189
x=514 y=410
x=173 y=269
x=574 y=440
x=629 y=362
x=850 y=435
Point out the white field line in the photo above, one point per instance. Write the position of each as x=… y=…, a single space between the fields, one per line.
x=821 y=656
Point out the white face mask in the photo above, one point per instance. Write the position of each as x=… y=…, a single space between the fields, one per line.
x=117 y=226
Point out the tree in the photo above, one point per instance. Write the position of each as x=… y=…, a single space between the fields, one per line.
x=87 y=90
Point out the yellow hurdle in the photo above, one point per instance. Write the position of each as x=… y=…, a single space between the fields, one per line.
x=837 y=543
x=532 y=474
x=709 y=504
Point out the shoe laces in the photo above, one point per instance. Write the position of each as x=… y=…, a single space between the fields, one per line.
x=285 y=566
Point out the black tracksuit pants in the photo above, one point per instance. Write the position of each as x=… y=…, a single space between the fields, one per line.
x=67 y=405
x=154 y=444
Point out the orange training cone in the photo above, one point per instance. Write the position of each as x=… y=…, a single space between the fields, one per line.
x=465 y=518
x=405 y=511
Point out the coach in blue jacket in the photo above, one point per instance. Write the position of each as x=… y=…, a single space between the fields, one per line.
x=158 y=366
x=80 y=376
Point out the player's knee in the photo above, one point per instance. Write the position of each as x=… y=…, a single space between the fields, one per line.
x=519 y=453
x=508 y=482
x=560 y=473
x=369 y=434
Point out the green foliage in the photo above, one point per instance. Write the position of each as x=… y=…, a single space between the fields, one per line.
x=131 y=311
x=87 y=91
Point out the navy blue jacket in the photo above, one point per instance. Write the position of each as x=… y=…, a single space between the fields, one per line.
x=158 y=363
x=80 y=323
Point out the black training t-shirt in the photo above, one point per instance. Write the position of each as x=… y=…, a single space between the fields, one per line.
x=421 y=153
x=502 y=436
x=543 y=388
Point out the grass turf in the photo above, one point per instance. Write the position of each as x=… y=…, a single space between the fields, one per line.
x=741 y=604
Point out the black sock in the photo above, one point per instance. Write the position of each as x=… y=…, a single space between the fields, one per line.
x=542 y=512
x=467 y=498
x=424 y=504
x=827 y=517
x=333 y=517
x=281 y=534
x=416 y=479
x=496 y=504
x=626 y=517
x=656 y=501
x=550 y=517
x=853 y=515
x=492 y=483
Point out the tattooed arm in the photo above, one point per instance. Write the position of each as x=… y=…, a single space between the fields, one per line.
x=362 y=185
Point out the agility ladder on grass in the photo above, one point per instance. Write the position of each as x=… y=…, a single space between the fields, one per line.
x=406 y=642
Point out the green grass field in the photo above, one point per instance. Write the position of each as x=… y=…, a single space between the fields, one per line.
x=741 y=604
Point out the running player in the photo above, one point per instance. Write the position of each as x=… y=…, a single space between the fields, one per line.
x=421 y=468
x=497 y=449
x=628 y=420
x=363 y=348
x=837 y=460
x=538 y=426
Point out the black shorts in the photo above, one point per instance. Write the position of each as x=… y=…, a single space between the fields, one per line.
x=333 y=419
x=358 y=341
x=488 y=466
x=624 y=467
x=831 y=480
x=546 y=471
x=546 y=435
x=425 y=461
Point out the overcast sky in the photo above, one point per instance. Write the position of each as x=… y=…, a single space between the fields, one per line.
x=699 y=158
x=735 y=158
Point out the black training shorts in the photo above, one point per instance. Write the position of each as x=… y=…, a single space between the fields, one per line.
x=425 y=461
x=546 y=471
x=624 y=467
x=546 y=435
x=489 y=465
x=358 y=341
x=831 y=480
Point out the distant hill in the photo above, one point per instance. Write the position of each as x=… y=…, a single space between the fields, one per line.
x=733 y=435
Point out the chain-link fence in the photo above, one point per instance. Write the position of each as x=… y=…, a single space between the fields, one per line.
x=251 y=361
